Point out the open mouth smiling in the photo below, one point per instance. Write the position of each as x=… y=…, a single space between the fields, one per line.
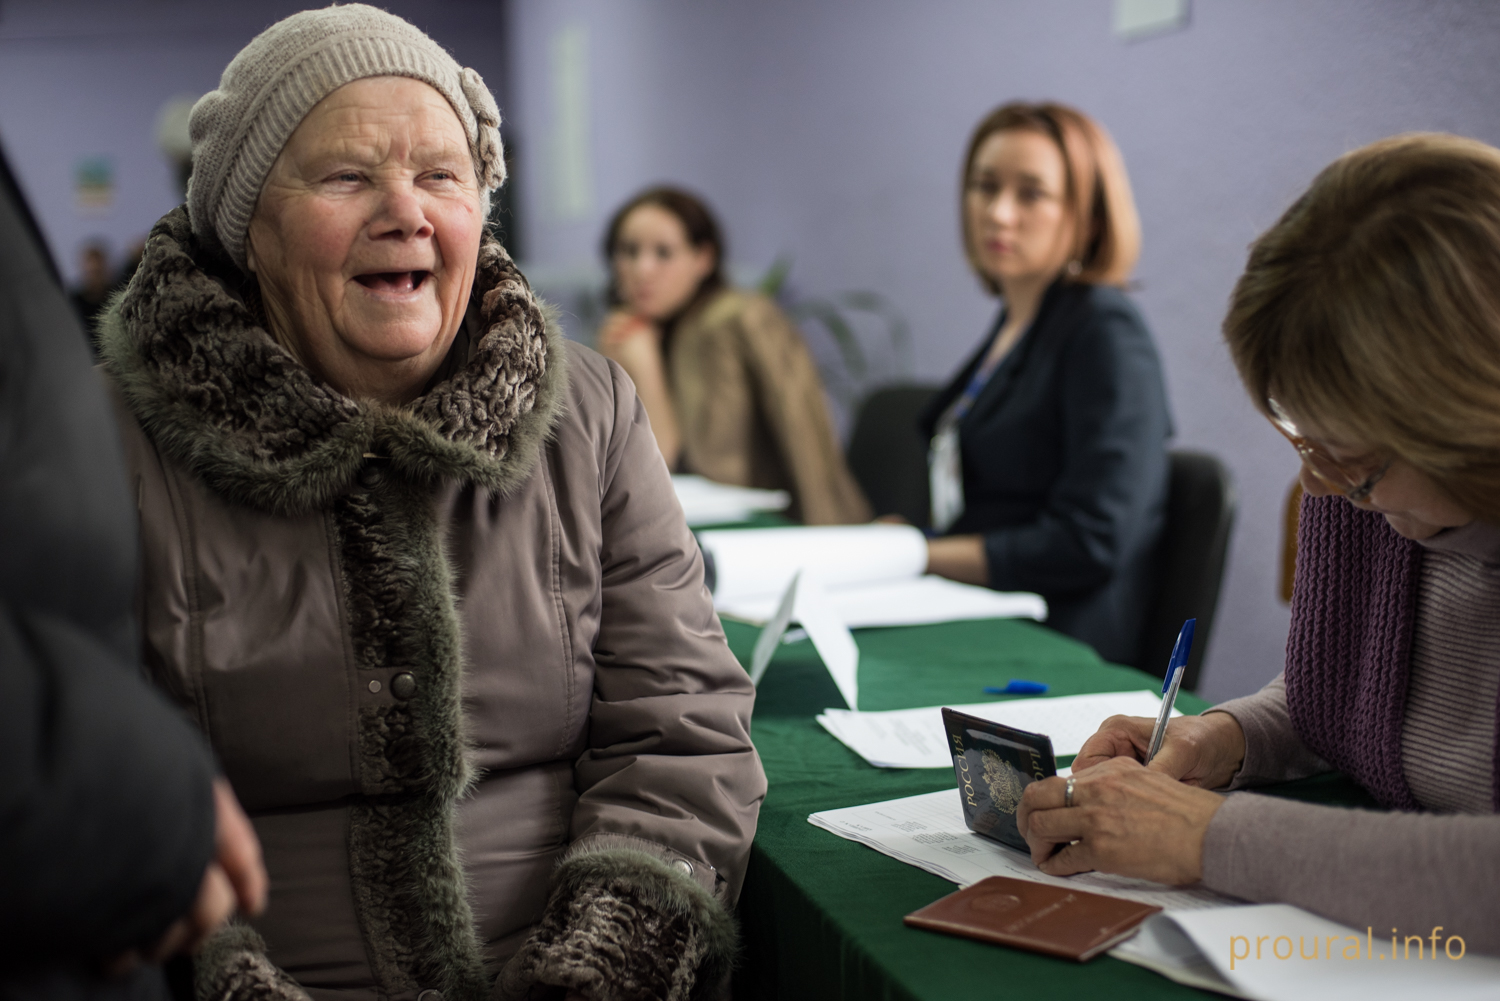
x=398 y=282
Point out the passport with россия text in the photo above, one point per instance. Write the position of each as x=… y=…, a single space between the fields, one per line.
x=994 y=764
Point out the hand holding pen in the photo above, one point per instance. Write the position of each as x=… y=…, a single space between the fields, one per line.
x=1202 y=751
x=1153 y=822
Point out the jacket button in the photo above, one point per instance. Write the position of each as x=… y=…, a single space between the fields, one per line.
x=403 y=686
x=374 y=687
x=683 y=866
x=370 y=477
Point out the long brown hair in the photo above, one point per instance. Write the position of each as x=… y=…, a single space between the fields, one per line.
x=1107 y=231
x=698 y=223
x=1372 y=307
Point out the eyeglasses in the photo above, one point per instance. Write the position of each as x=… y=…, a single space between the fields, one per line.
x=1354 y=480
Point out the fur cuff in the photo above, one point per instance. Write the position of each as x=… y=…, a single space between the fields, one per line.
x=622 y=925
x=232 y=966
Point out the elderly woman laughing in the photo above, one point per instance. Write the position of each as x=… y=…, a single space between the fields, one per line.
x=416 y=567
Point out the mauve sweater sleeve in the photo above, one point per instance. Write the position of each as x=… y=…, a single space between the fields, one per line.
x=1411 y=871
x=1365 y=868
x=1273 y=751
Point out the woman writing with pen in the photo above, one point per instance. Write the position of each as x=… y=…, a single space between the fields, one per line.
x=1366 y=327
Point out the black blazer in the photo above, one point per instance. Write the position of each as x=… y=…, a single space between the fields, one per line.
x=1065 y=464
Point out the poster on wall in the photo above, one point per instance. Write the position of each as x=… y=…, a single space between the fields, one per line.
x=94 y=183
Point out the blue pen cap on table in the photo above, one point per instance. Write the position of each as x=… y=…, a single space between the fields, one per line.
x=1018 y=687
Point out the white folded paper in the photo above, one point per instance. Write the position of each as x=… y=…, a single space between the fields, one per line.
x=915 y=738
x=807 y=602
x=773 y=632
x=928 y=831
x=705 y=502
x=1278 y=952
x=760 y=562
x=873 y=575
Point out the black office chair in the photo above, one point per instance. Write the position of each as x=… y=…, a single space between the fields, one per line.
x=1190 y=563
x=888 y=455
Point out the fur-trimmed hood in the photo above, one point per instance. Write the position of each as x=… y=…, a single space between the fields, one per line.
x=217 y=393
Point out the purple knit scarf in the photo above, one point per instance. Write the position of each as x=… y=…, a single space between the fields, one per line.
x=1348 y=654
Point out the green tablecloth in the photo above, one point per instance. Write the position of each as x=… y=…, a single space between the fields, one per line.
x=821 y=916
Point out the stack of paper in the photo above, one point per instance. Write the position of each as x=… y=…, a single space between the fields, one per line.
x=916 y=601
x=705 y=502
x=915 y=738
x=873 y=576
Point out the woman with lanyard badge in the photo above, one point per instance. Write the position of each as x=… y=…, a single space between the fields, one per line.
x=1048 y=460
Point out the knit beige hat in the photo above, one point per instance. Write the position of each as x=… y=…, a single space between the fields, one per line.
x=271 y=85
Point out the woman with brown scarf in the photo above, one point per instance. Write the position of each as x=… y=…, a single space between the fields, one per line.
x=730 y=387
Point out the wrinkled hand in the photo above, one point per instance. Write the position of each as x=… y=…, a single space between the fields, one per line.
x=1125 y=819
x=1202 y=751
x=235 y=879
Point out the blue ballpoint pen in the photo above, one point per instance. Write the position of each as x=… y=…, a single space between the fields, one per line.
x=1170 y=684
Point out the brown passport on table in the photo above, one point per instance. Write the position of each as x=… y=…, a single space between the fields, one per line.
x=1055 y=920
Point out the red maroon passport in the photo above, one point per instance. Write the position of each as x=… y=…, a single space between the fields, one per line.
x=1038 y=917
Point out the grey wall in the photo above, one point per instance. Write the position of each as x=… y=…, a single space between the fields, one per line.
x=831 y=131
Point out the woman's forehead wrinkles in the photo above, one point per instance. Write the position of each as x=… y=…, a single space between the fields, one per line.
x=376 y=139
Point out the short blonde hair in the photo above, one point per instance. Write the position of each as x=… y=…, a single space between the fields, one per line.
x=1107 y=237
x=1373 y=307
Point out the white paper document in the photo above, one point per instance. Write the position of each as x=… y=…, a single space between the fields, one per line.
x=928 y=831
x=1162 y=947
x=760 y=562
x=915 y=738
x=916 y=601
x=705 y=502
x=830 y=637
x=873 y=575
x=806 y=601
x=773 y=632
x=1278 y=952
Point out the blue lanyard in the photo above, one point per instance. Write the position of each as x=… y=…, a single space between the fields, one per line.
x=977 y=382
x=975 y=387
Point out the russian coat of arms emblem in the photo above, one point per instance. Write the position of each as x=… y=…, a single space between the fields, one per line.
x=1003 y=781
